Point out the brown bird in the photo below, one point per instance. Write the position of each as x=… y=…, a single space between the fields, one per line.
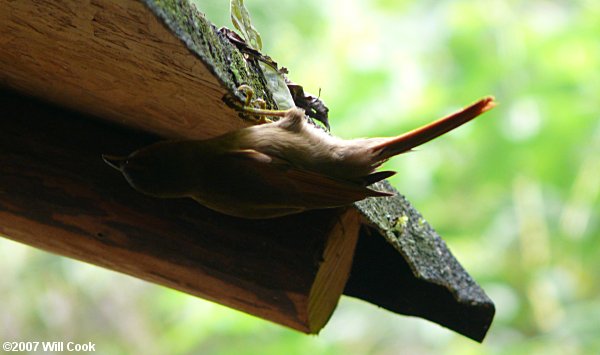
x=278 y=168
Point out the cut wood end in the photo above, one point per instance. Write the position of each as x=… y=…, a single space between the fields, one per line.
x=334 y=270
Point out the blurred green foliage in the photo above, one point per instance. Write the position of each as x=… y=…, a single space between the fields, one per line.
x=515 y=194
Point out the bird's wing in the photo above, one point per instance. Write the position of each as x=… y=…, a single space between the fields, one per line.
x=313 y=189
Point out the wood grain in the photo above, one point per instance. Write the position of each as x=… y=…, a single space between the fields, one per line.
x=115 y=60
x=57 y=194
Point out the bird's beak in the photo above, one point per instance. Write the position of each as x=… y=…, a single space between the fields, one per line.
x=114 y=161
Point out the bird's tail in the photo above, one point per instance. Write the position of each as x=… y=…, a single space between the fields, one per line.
x=405 y=142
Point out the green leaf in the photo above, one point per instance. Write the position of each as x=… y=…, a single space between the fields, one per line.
x=240 y=17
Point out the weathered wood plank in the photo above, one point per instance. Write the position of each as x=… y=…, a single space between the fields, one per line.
x=118 y=61
x=57 y=194
x=115 y=60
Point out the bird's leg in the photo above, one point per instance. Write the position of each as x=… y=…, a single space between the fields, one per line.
x=261 y=105
x=257 y=107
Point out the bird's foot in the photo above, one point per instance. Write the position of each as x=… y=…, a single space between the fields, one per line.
x=257 y=108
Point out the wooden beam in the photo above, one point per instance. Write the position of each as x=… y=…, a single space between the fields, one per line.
x=163 y=68
x=115 y=60
x=58 y=195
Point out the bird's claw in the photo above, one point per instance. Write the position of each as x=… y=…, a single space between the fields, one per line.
x=257 y=107
x=248 y=93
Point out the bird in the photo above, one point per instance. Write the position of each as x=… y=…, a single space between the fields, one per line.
x=276 y=168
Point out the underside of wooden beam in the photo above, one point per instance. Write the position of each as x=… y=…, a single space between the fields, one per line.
x=454 y=300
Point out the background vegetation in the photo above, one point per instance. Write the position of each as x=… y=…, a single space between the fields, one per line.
x=515 y=194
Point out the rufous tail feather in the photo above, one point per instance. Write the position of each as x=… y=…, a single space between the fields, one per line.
x=414 y=138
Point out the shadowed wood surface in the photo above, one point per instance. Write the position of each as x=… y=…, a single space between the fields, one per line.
x=57 y=194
